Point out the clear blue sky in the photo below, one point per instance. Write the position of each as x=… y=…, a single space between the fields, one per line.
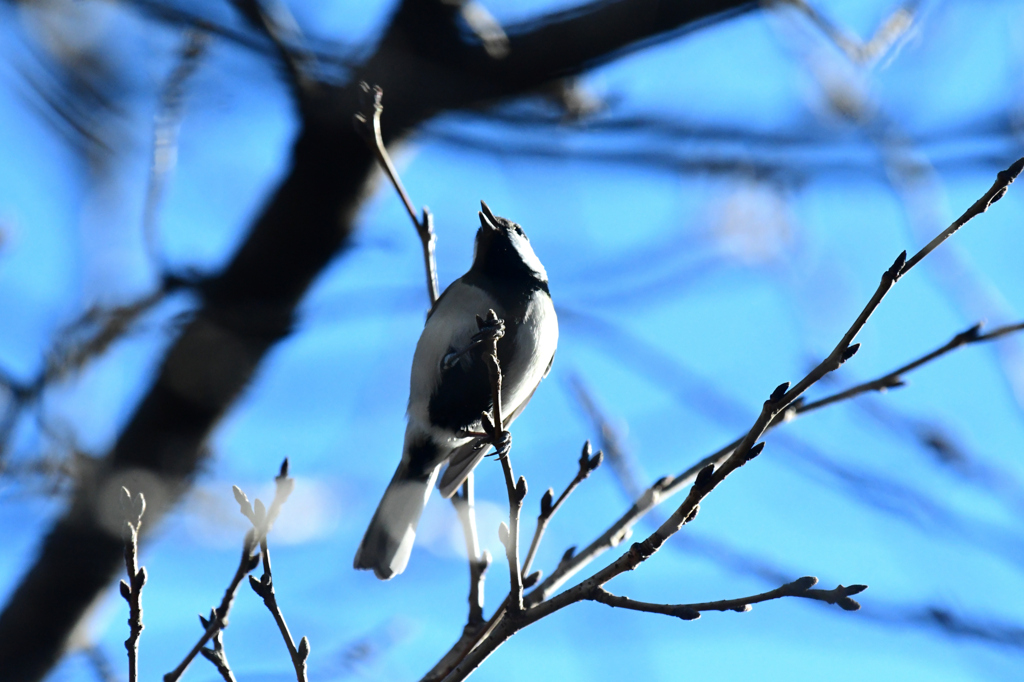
x=697 y=262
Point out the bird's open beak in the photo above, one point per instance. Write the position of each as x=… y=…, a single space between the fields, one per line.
x=487 y=219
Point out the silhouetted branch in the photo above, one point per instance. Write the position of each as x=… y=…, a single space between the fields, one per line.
x=216 y=655
x=547 y=510
x=894 y=379
x=262 y=519
x=264 y=587
x=305 y=222
x=370 y=121
x=798 y=588
x=492 y=329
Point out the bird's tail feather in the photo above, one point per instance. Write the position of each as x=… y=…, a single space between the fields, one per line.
x=388 y=541
x=460 y=466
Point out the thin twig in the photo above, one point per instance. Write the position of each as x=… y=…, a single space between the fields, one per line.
x=133 y=509
x=547 y=510
x=478 y=563
x=620 y=460
x=370 y=121
x=894 y=379
x=502 y=442
x=262 y=520
x=465 y=507
x=264 y=587
x=798 y=588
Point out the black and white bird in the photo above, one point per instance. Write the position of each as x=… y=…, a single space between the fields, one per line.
x=450 y=387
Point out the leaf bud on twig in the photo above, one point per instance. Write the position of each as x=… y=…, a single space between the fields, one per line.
x=779 y=392
x=704 y=477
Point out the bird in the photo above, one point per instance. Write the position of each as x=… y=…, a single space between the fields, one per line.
x=450 y=388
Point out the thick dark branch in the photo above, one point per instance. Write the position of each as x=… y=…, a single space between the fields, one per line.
x=278 y=25
x=566 y=42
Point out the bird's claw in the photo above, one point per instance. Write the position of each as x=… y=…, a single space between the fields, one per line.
x=503 y=443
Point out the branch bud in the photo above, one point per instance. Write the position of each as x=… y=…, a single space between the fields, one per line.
x=585 y=456
x=896 y=270
x=546 y=503
x=849 y=353
x=704 y=477
x=503 y=534
x=804 y=584
x=779 y=392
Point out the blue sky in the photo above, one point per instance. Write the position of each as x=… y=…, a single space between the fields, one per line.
x=693 y=274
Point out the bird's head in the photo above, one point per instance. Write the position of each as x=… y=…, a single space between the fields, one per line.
x=502 y=249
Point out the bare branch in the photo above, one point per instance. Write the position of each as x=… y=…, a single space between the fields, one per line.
x=217 y=655
x=493 y=329
x=798 y=588
x=547 y=510
x=133 y=508
x=264 y=587
x=894 y=378
x=465 y=507
x=262 y=520
x=370 y=120
x=709 y=474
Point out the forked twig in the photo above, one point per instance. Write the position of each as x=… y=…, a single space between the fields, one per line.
x=262 y=520
x=264 y=587
x=587 y=464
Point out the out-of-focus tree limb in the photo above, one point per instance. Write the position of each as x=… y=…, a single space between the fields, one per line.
x=426 y=67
